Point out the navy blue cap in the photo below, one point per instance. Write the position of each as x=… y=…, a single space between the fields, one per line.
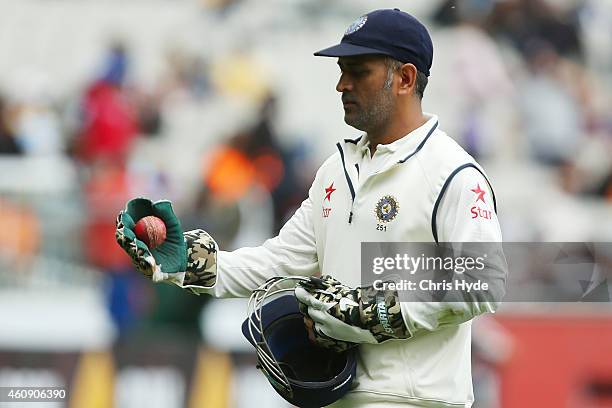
x=386 y=32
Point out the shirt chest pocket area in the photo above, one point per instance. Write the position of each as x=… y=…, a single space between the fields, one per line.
x=394 y=212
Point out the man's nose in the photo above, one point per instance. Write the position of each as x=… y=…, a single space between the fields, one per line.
x=343 y=84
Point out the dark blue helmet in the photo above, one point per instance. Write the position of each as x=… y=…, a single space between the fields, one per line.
x=305 y=375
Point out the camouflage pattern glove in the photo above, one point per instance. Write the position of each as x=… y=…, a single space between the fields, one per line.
x=201 y=270
x=188 y=259
x=339 y=317
x=168 y=258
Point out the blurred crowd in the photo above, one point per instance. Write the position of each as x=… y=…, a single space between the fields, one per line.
x=524 y=85
x=232 y=124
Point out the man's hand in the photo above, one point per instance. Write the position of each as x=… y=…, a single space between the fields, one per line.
x=168 y=258
x=339 y=317
x=187 y=259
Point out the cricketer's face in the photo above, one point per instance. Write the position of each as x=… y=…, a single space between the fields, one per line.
x=366 y=88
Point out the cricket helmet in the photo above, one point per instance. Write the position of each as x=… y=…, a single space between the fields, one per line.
x=306 y=375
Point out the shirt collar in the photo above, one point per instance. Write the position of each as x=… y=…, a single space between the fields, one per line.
x=404 y=147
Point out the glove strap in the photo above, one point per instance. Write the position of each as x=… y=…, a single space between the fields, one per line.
x=381 y=314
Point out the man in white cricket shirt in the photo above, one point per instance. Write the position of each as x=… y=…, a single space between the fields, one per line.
x=402 y=180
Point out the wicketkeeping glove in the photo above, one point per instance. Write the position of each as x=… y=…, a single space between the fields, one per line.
x=187 y=259
x=339 y=317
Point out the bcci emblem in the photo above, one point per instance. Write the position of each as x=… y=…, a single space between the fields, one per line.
x=356 y=25
x=386 y=208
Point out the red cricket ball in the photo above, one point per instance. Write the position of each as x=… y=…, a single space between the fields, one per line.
x=151 y=230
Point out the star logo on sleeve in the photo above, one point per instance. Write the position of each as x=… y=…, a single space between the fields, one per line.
x=328 y=192
x=479 y=192
x=476 y=211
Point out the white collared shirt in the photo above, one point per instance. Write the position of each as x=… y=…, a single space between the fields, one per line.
x=433 y=187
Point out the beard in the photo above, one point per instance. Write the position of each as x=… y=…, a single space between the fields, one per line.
x=374 y=115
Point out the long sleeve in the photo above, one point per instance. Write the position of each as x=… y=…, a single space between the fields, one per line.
x=466 y=211
x=292 y=252
x=466 y=215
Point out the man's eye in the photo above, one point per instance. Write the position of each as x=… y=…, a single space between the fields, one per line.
x=354 y=71
x=358 y=72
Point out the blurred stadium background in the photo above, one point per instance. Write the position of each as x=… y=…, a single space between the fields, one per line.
x=220 y=106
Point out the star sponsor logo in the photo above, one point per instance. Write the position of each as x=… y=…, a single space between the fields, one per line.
x=328 y=192
x=328 y=195
x=480 y=193
x=476 y=211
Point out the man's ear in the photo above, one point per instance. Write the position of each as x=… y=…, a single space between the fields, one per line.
x=408 y=74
